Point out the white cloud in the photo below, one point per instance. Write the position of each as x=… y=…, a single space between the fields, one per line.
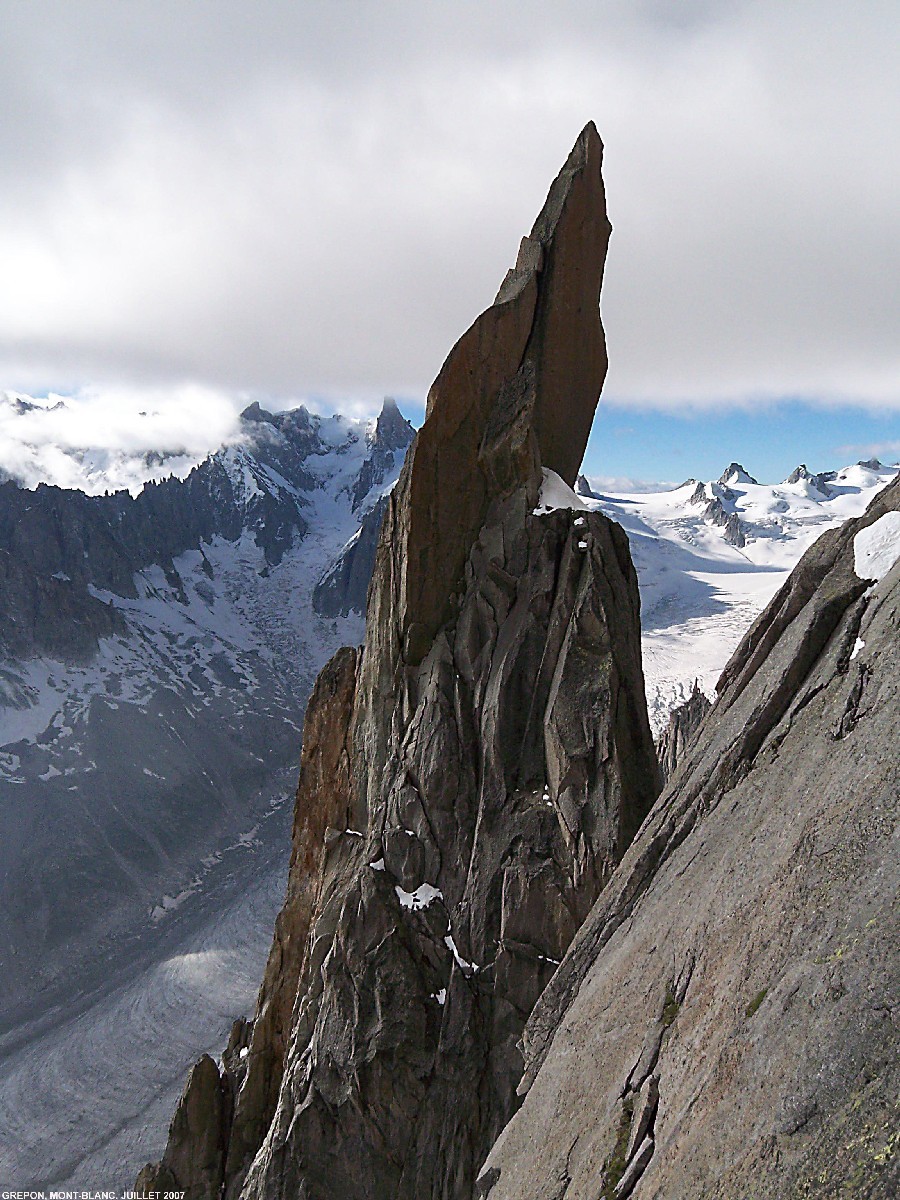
x=318 y=198
x=624 y=483
x=111 y=437
x=887 y=451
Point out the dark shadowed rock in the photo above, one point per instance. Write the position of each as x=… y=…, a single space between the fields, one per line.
x=734 y=531
x=745 y=950
x=716 y=513
x=344 y=586
x=684 y=721
x=798 y=473
x=392 y=430
x=323 y=812
x=819 y=481
x=195 y=1151
x=499 y=755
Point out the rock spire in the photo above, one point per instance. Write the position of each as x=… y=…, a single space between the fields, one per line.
x=470 y=781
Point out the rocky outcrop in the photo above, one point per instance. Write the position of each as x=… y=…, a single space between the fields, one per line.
x=343 y=588
x=741 y=964
x=323 y=813
x=684 y=721
x=518 y=391
x=194 y=1156
x=819 y=481
x=391 y=437
x=734 y=531
x=498 y=763
x=735 y=473
x=716 y=513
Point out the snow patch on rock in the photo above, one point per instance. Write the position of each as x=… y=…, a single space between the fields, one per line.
x=424 y=895
x=556 y=493
x=877 y=547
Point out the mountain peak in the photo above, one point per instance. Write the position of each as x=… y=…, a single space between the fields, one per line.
x=818 y=482
x=798 y=473
x=735 y=473
x=516 y=393
x=392 y=430
x=454 y=755
x=255 y=415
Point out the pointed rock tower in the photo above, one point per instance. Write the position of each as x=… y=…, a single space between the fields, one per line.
x=469 y=781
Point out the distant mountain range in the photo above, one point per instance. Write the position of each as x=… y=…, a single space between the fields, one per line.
x=710 y=555
x=156 y=654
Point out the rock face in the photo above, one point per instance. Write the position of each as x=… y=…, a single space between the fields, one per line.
x=743 y=955
x=210 y=1137
x=470 y=782
x=517 y=391
x=196 y=1138
x=684 y=721
x=715 y=511
x=730 y=521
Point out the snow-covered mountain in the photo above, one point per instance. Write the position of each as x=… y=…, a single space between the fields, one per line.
x=156 y=653
x=710 y=555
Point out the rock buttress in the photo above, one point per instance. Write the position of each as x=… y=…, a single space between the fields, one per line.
x=501 y=758
x=221 y=1123
x=724 y=1023
x=324 y=812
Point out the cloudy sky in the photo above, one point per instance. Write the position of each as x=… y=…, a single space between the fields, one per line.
x=299 y=200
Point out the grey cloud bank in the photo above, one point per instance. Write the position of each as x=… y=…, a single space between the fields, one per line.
x=293 y=199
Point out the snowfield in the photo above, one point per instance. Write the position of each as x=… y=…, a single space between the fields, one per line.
x=700 y=593
x=877 y=548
